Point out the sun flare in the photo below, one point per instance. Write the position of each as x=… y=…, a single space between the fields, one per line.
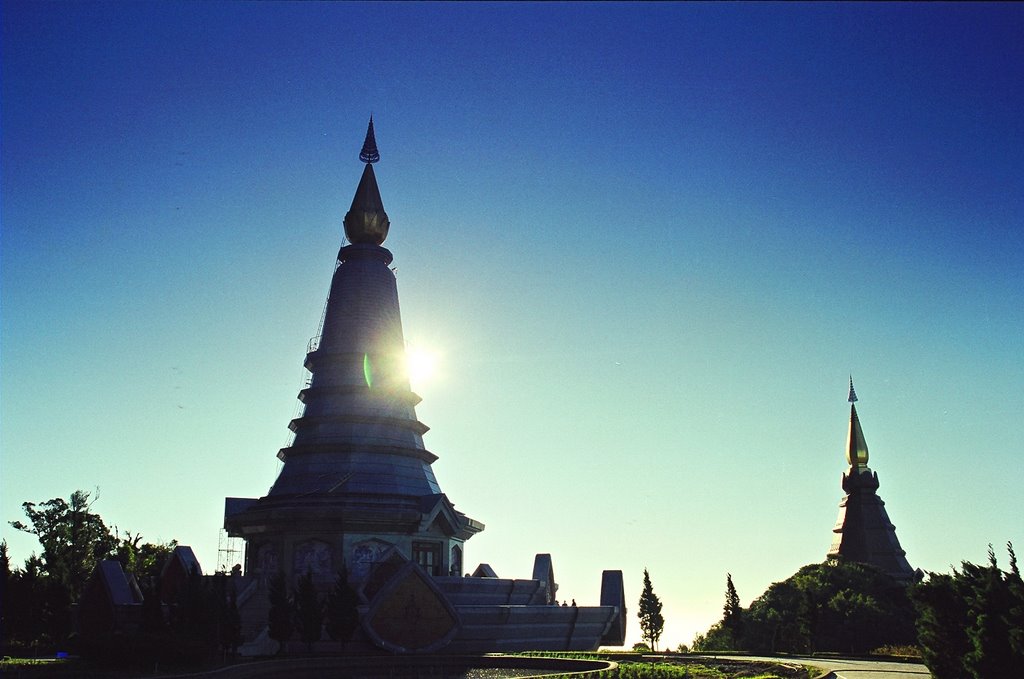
x=420 y=364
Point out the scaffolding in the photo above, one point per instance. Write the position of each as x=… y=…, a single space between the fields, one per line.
x=229 y=552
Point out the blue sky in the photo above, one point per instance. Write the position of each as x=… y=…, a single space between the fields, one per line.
x=648 y=242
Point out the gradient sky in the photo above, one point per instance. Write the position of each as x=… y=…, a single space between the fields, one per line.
x=648 y=242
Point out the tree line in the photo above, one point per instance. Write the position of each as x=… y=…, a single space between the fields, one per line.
x=833 y=606
x=199 y=622
x=36 y=597
x=967 y=624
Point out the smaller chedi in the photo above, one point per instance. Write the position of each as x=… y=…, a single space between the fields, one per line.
x=863 y=532
x=357 y=492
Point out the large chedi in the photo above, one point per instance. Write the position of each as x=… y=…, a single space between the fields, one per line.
x=863 y=532
x=357 y=467
x=357 y=489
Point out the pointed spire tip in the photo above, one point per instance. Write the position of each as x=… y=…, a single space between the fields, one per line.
x=853 y=394
x=369 y=154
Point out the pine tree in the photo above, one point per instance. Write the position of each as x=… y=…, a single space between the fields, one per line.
x=279 y=618
x=342 y=609
x=231 y=620
x=153 y=620
x=194 y=613
x=5 y=576
x=991 y=655
x=309 y=612
x=732 y=619
x=5 y=563
x=969 y=623
x=651 y=621
x=1015 y=617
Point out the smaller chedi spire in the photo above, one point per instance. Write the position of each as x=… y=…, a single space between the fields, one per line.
x=366 y=222
x=863 y=531
x=856 y=446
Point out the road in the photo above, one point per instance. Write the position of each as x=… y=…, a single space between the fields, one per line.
x=869 y=669
x=854 y=669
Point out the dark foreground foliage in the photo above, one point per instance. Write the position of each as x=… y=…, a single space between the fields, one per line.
x=202 y=627
x=35 y=615
x=968 y=624
x=832 y=606
x=342 y=613
x=971 y=622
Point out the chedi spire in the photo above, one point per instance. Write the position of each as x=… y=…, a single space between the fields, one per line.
x=366 y=222
x=863 y=532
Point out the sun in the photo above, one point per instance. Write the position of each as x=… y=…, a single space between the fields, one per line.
x=420 y=364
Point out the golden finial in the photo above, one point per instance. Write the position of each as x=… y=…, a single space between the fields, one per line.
x=369 y=154
x=856 y=446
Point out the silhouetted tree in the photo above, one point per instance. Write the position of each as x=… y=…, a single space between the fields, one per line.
x=37 y=609
x=5 y=576
x=309 y=612
x=990 y=633
x=194 y=616
x=153 y=620
x=342 y=608
x=942 y=624
x=1015 y=617
x=142 y=559
x=73 y=539
x=732 y=613
x=970 y=623
x=651 y=621
x=5 y=564
x=231 y=620
x=37 y=602
x=725 y=635
x=280 y=615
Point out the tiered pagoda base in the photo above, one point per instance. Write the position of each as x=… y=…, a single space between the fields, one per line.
x=404 y=610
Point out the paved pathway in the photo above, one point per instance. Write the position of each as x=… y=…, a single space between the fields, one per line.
x=854 y=669
x=870 y=669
